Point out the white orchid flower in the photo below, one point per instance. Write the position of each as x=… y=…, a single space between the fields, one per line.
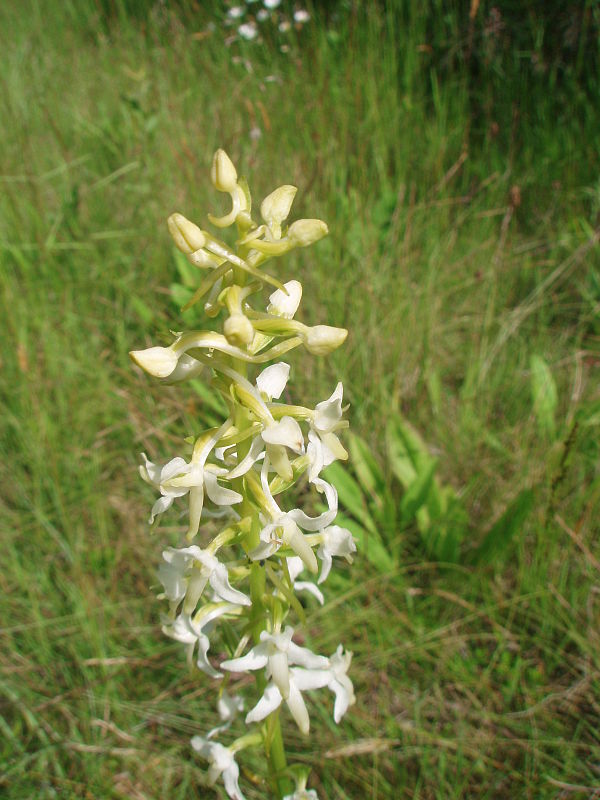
x=324 y=446
x=284 y=528
x=295 y=567
x=191 y=631
x=276 y=651
x=228 y=707
x=178 y=477
x=186 y=572
x=335 y=541
x=339 y=682
x=222 y=764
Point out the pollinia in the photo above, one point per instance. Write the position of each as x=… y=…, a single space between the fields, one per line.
x=247 y=554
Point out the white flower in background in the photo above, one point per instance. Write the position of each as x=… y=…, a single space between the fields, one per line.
x=160 y=477
x=235 y=12
x=301 y=16
x=228 y=707
x=222 y=764
x=339 y=682
x=295 y=567
x=285 y=26
x=191 y=631
x=271 y=4
x=186 y=573
x=248 y=31
x=262 y=14
x=335 y=541
x=276 y=652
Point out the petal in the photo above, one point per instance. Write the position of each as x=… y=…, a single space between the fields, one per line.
x=219 y=580
x=256 y=658
x=202 y=661
x=149 y=471
x=286 y=432
x=344 y=696
x=196 y=503
x=310 y=678
x=230 y=780
x=333 y=448
x=255 y=452
x=173 y=581
x=306 y=658
x=329 y=411
x=270 y=700
x=176 y=466
x=325 y=557
x=273 y=379
x=297 y=707
x=160 y=507
x=217 y=493
x=315 y=456
x=277 y=455
x=295 y=566
x=324 y=519
x=307 y=586
x=294 y=538
x=278 y=667
x=286 y=305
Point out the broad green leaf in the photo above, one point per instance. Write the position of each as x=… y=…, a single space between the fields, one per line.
x=407 y=452
x=417 y=493
x=502 y=532
x=350 y=494
x=365 y=466
x=543 y=392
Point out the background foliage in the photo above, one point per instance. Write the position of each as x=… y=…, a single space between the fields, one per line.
x=452 y=148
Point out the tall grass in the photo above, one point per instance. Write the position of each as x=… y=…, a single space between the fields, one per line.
x=464 y=242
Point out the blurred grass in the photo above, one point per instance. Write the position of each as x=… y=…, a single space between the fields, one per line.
x=464 y=243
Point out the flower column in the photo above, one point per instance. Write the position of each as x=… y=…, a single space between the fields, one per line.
x=237 y=581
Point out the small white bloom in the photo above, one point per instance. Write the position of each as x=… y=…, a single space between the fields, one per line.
x=285 y=26
x=324 y=447
x=222 y=764
x=276 y=652
x=272 y=380
x=235 y=12
x=262 y=14
x=271 y=4
x=302 y=794
x=228 y=707
x=301 y=16
x=188 y=570
x=248 y=31
x=191 y=631
x=335 y=541
x=339 y=682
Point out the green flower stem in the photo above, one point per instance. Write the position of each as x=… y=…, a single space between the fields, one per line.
x=277 y=760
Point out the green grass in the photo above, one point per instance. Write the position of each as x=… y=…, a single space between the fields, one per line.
x=472 y=681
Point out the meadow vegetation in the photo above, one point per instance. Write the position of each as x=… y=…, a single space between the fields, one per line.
x=459 y=176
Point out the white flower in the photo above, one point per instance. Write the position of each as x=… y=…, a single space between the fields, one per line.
x=284 y=527
x=248 y=31
x=339 y=682
x=285 y=25
x=188 y=570
x=222 y=764
x=190 y=631
x=177 y=478
x=271 y=4
x=301 y=16
x=228 y=707
x=335 y=541
x=262 y=14
x=302 y=794
x=324 y=447
x=276 y=652
x=235 y=12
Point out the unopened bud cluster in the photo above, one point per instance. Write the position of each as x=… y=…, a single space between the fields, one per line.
x=240 y=565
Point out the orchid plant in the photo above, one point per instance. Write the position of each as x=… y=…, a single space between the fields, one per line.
x=237 y=574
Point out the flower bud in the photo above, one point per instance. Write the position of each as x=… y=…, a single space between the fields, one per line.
x=200 y=258
x=223 y=174
x=157 y=361
x=238 y=330
x=306 y=231
x=187 y=236
x=276 y=206
x=323 y=339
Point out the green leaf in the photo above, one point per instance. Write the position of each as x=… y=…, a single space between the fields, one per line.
x=544 y=394
x=187 y=272
x=350 y=494
x=143 y=311
x=498 y=538
x=365 y=466
x=417 y=493
x=407 y=451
